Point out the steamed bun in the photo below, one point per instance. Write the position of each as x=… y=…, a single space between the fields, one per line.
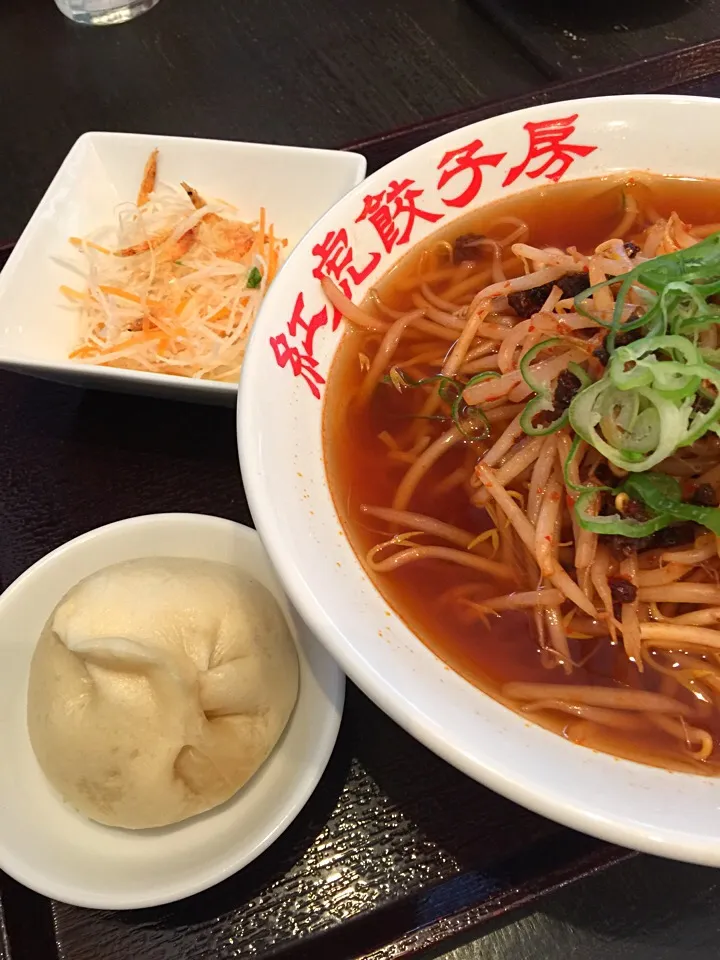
x=157 y=689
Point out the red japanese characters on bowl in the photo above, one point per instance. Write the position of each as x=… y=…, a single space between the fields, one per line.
x=406 y=209
x=289 y=394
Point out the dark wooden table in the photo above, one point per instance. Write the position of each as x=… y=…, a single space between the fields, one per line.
x=321 y=72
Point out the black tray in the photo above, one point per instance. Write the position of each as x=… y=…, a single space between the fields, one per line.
x=396 y=852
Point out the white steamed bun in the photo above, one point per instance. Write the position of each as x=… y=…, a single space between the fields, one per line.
x=157 y=689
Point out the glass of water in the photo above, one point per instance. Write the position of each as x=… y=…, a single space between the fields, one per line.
x=104 y=12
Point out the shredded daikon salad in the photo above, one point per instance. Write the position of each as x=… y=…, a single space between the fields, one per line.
x=175 y=285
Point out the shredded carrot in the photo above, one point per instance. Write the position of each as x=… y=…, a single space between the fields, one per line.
x=72 y=294
x=140 y=338
x=78 y=242
x=221 y=314
x=133 y=297
x=167 y=328
x=80 y=352
x=186 y=299
x=259 y=242
x=181 y=306
x=272 y=256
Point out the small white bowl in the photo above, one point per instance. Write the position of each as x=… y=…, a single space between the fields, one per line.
x=51 y=848
x=38 y=330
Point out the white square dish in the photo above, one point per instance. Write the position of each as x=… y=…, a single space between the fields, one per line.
x=38 y=329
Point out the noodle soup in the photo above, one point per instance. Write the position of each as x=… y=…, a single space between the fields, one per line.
x=520 y=443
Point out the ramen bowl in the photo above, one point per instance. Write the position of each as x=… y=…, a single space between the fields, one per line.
x=280 y=430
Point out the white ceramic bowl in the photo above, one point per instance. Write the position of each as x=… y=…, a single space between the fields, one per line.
x=101 y=171
x=672 y=814
x=47 y=845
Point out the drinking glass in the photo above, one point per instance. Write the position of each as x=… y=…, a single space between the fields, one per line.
x=104 y=12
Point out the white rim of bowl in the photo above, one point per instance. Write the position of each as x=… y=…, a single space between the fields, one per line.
x=655 y=840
